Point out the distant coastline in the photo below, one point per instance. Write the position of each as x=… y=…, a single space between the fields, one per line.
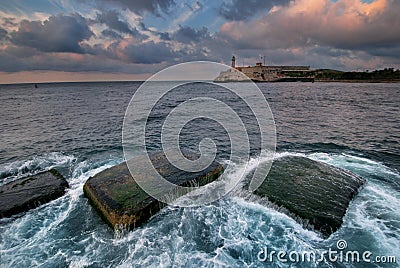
x=387 y=75
x=264 y=73
x=357 y=81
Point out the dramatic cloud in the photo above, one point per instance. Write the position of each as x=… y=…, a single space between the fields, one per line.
x=148 y=53
x=187 y=34
x=3 y=33
x=61 y=33
x=140 y=6
x=9 y=22
x=347 y=24
x=246 y=9
x=111 y=19
x=14 y=59
x=164 y=36
x=111 y=34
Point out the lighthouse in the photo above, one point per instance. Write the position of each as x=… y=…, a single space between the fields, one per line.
x=233 y=65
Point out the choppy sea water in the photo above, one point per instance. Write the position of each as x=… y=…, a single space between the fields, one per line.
x=76 y=128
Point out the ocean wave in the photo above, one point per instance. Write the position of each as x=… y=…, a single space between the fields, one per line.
x=229 y=232
x=22 y=168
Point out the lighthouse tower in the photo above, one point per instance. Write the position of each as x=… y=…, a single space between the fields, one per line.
x=233 y=65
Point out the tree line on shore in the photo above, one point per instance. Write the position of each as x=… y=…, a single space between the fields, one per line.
x=384 y=75
x=387 y=74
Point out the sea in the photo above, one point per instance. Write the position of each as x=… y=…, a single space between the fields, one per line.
x=77 y=129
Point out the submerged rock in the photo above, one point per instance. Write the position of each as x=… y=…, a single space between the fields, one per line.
x=30 y=192
x=123 y=204
x=315 y=193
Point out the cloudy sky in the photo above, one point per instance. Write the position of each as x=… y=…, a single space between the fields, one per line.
x=71 y=40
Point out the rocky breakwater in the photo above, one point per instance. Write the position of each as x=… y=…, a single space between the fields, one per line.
x=30 y=192
x=314 y=193
x=123 y=204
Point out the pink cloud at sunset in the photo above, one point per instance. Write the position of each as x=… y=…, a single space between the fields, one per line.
x=341 y=24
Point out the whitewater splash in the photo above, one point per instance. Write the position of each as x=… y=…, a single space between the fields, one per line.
x=23 y=168
x=230 y=232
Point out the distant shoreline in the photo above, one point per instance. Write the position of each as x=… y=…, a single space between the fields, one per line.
x=358 y=81
x=321 y=81
x=137 y=81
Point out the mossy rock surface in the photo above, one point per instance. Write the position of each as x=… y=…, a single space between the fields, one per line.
x=30 y=192
x=315 y=192
x=123 y=204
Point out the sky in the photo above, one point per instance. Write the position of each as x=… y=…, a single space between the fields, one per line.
x=98 y=40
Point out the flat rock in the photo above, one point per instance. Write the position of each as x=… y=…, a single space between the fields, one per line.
x=30 y=192
x=123 y=204
x=314 y=193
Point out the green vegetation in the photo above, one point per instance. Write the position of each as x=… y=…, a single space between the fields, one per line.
x=385 y=75
x=128 y=195
x=328 y=75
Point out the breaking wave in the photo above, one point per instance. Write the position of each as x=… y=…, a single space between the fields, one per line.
x=227 y=233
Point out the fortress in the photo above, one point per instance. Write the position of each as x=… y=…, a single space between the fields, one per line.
x=263 y=73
